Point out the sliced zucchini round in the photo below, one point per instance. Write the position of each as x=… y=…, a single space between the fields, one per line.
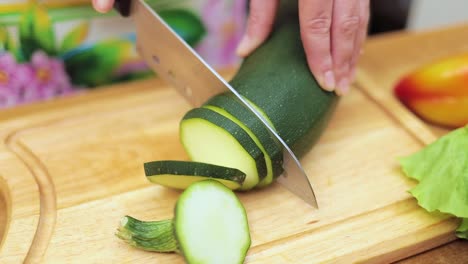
x=181 y=174
x=209 y=137
x=211 y=225
x=232 y=108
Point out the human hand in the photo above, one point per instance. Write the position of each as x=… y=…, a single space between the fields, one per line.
x=332 y=33
x=103 y=6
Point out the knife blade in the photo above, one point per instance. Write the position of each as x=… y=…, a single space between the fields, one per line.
x=177 y=63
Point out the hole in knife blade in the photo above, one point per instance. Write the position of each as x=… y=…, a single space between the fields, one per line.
x=155 y=59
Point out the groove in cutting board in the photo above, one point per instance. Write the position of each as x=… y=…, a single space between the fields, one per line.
x=5 y=210
x=75 y=231
x=48 y=210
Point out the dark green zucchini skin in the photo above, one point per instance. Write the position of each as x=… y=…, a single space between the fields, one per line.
x=277 y=79
x=176 y=167
x=232 y=105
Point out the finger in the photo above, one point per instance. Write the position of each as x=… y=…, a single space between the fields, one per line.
x=259 y=25
x=361 y=36
x=315 y=21
x=103 y=6
x=345 y=25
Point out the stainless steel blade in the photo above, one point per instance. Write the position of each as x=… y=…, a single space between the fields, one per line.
x=177 y=63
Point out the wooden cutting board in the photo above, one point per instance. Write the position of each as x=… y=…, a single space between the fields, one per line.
x=70 y=169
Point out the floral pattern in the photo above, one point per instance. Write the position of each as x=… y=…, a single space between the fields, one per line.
x=39 y=63
x=43 y=78
x=14 y=80
x=50 y=78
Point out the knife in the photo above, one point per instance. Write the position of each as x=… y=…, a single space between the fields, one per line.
x=178 y=64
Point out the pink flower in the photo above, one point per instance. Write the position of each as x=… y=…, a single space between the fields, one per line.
x=50 y=77
x=14 y=81
x=7 y=98
x=224 y=21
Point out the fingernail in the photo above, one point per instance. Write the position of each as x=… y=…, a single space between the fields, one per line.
x=343 y=86
x=243 y=46
x=329 y=79
x=246 y=45
x=101 y=5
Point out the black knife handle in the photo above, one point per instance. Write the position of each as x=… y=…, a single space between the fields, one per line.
x=123 y=7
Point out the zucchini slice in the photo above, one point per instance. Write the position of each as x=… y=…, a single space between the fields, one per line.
x=232 y=108
x=210 y=137
x=211 y=225
x=181 y=174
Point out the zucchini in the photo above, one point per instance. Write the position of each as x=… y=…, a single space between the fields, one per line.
x=181 y=174
x=210 y=137
x=229 y=106
x=277 y=80
x=210 y=225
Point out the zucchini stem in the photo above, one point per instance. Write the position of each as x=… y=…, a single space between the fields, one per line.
x=157 y=236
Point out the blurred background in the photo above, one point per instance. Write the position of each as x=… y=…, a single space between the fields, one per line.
x=416 y=14
x=54 y=48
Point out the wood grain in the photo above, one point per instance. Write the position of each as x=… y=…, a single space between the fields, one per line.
x=386 y=59
x=92 y=147
x=455 y=252
x=71 y=168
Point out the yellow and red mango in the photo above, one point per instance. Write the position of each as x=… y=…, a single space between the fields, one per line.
x=438 y=92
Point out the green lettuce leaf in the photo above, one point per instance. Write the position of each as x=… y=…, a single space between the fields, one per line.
x=462 y=230
x=441 y=170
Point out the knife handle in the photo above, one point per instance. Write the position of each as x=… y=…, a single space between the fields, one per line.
x=123 y=7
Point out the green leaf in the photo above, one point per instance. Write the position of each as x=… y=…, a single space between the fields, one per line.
x=36 y=32
x=4 y=39
x=462 y=230
x=95 y=66
x=7 y=44
x=185 y=23
x=442 y=171
x=75 y=37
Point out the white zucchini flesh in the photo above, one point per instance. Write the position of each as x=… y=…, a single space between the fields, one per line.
x=208 y=143
x=211 y=225
x=182 y=182
x=269 y=177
